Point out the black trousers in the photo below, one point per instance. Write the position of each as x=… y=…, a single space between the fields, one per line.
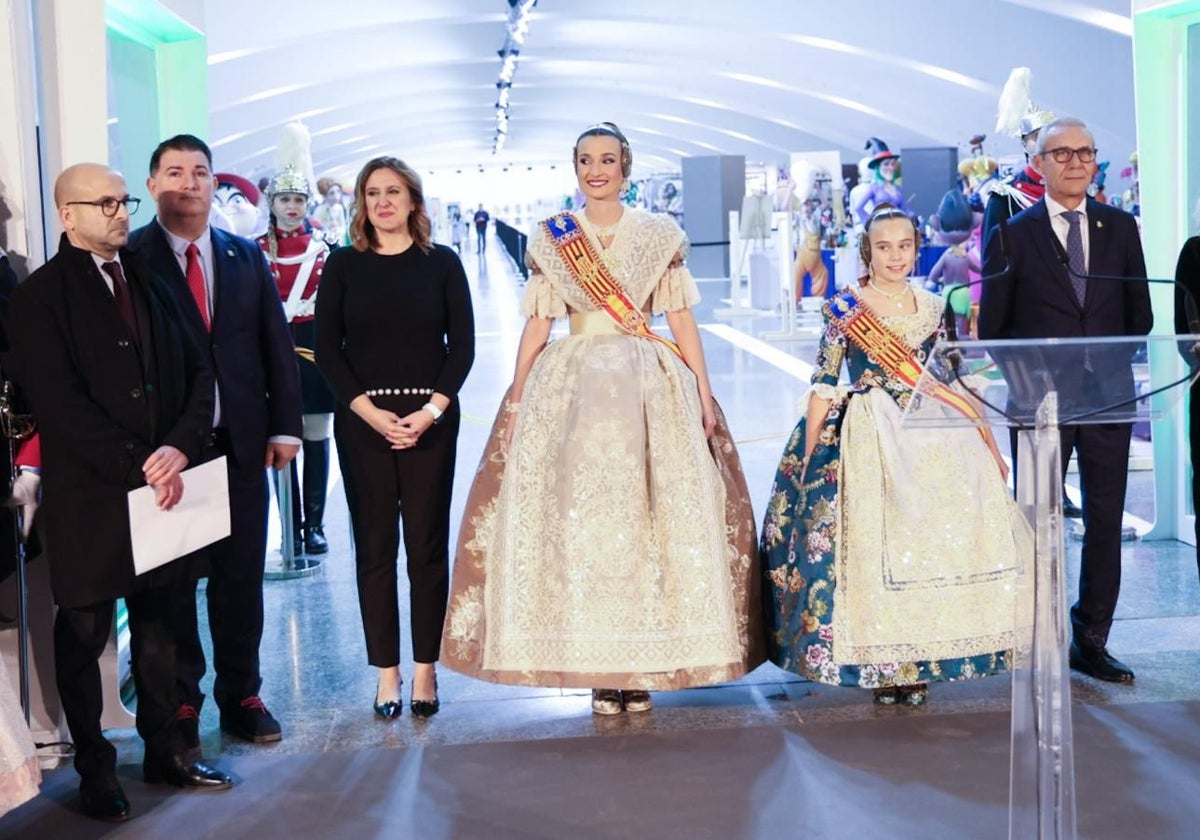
x=1102 y=451
x=234 y=595
x=80 y=634
x=384 y=489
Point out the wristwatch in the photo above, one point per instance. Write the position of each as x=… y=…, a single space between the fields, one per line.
x=435 y=411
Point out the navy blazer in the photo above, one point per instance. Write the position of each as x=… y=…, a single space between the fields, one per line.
x=253 y=356
x=1035 y=298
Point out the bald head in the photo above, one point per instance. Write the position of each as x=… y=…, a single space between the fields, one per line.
x=78 y=193
x=79 y=182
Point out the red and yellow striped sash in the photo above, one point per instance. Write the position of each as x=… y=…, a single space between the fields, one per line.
x=861 y=326
x=593 y=276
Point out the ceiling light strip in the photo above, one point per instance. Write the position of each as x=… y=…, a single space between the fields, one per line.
x=519 y=14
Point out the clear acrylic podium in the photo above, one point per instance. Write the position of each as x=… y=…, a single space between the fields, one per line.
x=1039 y=385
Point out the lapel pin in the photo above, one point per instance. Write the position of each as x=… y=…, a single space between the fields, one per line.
x=230 y=253
x=1099 y=223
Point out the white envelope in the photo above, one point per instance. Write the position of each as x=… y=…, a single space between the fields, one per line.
x=201 y=517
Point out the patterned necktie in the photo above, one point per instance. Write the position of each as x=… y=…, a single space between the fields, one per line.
x=1075 y=254
x=195 y=282
x=122 y=298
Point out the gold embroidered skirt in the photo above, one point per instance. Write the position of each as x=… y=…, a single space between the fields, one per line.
x=611 y=545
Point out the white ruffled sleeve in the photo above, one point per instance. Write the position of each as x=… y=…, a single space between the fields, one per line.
x=676 y=290
x=541 y=299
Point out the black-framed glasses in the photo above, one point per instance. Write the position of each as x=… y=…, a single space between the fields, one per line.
x=110 y=206
x=1063 y=154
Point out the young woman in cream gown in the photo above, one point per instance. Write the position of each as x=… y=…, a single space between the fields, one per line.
x=608 y=541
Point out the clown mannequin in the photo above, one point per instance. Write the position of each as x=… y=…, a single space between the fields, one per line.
x=885 y=185
x=236 y=204
x=297 y=251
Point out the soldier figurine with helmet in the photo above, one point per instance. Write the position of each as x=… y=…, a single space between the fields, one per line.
x=297 y=251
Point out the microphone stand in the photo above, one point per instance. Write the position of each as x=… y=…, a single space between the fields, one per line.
x=1189 y=308
x=17 y=427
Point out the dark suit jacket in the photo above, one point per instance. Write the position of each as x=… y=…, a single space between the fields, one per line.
x=103 y=406
x=1035 y=298
x=252 y=352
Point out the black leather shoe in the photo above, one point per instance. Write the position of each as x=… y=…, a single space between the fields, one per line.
x=192 y=775
x=1099 y=663
x=426 y=708
x=250 y=721
x=314 y=540
x=109 y=804
x=388 y=709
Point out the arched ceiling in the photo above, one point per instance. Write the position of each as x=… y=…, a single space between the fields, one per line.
x=417 y=78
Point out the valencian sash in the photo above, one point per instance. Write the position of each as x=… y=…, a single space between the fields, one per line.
x=861 y=326
x=592 y=274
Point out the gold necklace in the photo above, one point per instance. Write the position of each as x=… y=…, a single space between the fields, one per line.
x=895 y=297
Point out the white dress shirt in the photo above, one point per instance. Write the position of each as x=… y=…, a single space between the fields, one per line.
x=204 y=244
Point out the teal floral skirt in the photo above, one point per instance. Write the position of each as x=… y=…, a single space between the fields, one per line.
x=797 y=553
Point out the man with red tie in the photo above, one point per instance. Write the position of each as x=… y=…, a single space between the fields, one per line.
x=123 y=399
x=223 y=283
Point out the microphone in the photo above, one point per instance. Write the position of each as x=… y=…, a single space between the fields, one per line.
x=1189 y=305
x=1189 y=301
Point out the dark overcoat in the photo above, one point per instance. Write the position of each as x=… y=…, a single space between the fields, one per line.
x=104 y=402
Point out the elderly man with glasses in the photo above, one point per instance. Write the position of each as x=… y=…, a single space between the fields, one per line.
x=1069 y=267
x=123 y=399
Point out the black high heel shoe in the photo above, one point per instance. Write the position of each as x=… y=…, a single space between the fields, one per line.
x=388 y=709
x=426 y=708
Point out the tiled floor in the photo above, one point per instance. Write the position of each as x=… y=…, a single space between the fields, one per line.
x=317 y=681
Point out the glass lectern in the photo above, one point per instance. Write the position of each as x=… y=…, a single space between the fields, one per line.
x=1036 y=386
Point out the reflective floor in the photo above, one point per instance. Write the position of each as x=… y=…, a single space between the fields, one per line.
x=317 y=682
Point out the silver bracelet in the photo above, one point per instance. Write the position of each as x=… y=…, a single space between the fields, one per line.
x=435 y=411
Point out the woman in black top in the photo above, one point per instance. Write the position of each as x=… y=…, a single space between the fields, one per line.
x=395 y=339
x=1187 y=274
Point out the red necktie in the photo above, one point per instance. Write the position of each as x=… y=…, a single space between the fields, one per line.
x=122 y=297
x=195 y=281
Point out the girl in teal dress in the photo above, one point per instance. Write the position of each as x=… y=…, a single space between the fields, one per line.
x=884 y=571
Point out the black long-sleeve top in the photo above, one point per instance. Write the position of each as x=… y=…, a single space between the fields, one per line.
x=1187 y=273
x=395 y=321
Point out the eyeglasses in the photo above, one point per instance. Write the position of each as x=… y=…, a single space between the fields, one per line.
x=1063 y=154
x=109 y=206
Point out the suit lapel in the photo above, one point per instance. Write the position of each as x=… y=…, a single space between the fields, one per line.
x=1098 y=242
x=224 y=269
x=1040 y=215
x=161 y=258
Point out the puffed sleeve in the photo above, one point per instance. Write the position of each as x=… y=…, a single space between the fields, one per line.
x=828 y=365
x=541 y=299
x=677 y=289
